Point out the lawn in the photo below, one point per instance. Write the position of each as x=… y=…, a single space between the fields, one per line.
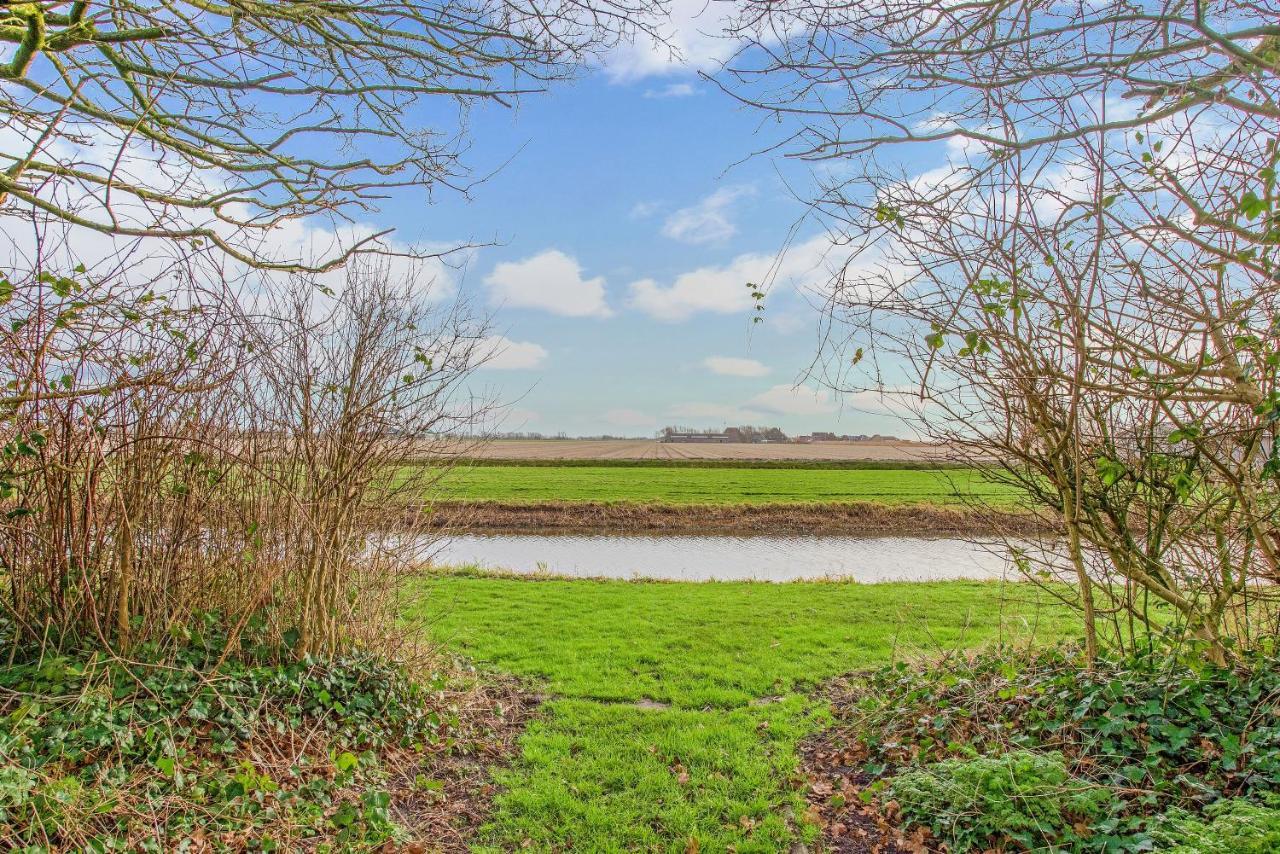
x=751 y=485
x=674 y=709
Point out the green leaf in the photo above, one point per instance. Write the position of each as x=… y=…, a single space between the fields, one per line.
x=1251 y=206
x=1110 y=471
x=345 y=815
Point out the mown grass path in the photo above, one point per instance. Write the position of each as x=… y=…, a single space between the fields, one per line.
x=675 y=709
x=686 y=485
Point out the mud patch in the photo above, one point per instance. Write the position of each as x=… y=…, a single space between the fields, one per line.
x=743 y=519
x=646 y=703
x=442 y=797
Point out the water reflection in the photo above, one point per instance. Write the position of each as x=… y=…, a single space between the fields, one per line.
x=702 y=558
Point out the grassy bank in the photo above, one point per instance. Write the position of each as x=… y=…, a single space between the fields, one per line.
x=722 y=485
x=626 y=517
x=714 y=463
x=674 y=711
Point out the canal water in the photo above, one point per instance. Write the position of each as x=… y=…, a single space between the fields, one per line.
x=726 y=558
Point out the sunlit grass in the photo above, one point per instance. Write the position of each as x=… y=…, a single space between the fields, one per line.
x=675 y=709
x=688 y=485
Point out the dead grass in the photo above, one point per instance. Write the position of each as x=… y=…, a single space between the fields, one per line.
x=854 y=518
x=443 y=798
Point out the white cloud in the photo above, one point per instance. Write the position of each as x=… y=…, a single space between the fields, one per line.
x=723 y=290
x=778 y=400
x=550 y=281
x=733 y=366
x=630 y=418
x=503 y=354
x=695 y=41
x=793 y=400
x=310 y=241
x=644 y=210
x=673 y=90
x=708 y=221
x=724 y=413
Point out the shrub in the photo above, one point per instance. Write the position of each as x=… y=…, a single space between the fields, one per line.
x=1233 y=826
x=977 y=803
x=101 y=754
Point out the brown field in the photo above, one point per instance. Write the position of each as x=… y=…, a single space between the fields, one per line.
x=649 y=449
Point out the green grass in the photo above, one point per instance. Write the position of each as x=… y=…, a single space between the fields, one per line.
x=676 y=485
x=710 y=463
x=734 y=663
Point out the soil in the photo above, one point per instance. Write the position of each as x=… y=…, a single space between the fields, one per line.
x=841 y=795
x=444 y=797
x=777 y=519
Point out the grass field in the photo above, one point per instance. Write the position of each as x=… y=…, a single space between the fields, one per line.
x=675 y=710
x=687 y=485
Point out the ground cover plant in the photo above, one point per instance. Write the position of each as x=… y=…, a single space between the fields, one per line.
x=721 y=485
x=1027 y=797
x=210 y=749
x=1032 y=752
x=673 y=711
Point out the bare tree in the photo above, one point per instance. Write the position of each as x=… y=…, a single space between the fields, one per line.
x=1080 y=285
x=213 y=123
x=168 y=448
x=351 y=398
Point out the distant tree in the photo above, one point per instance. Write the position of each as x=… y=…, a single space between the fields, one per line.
x=1082 y=290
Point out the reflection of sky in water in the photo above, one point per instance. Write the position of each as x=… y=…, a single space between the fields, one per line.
x=693 y=558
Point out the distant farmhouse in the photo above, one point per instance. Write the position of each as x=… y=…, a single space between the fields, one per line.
x=758 y=436
x=698 y=438
x=745 y=434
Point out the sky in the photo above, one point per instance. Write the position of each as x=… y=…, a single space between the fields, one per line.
x=624 y=216
x=629 y=211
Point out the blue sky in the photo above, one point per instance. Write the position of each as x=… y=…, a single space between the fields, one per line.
x=627 y=219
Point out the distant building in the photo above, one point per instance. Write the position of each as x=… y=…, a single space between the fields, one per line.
x=744 y=434
x=698 y=438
